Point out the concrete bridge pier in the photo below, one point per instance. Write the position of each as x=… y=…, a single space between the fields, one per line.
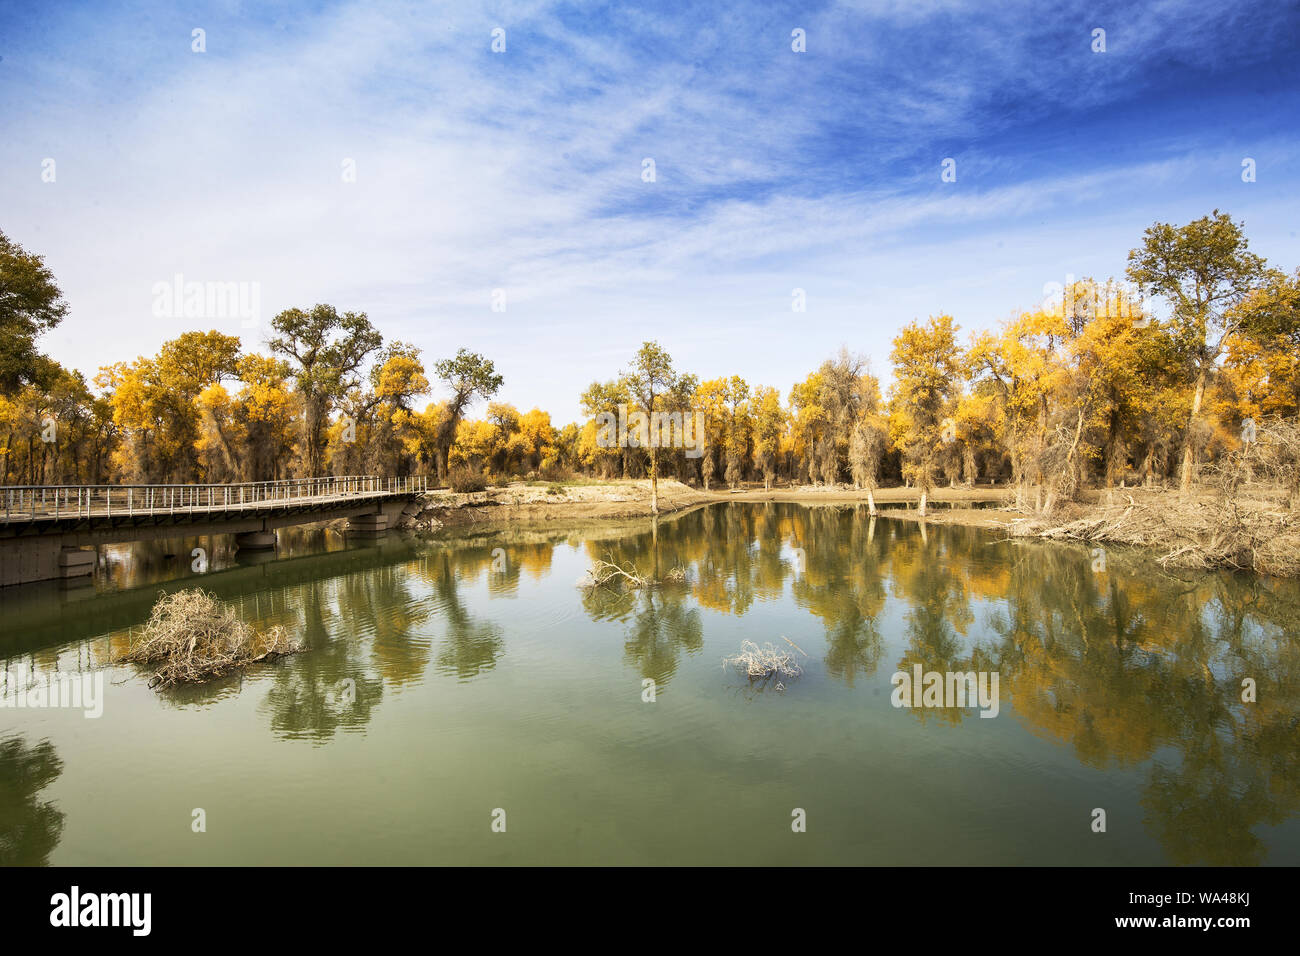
x=263 y=540
x=378 y=523
x=24 y=560
x=76 y=562
x=368 y=526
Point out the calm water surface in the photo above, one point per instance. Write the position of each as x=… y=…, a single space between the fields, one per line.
x=478 y=688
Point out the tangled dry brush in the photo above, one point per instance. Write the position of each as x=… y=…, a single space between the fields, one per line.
x=192 y=636
x=761 y=662
x=1200 y=533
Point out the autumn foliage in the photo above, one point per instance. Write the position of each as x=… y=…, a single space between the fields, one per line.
x=1158 y=381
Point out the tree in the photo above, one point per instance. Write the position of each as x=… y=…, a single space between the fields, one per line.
x=329 y=350
x=1205 y=272
x=649 y=378
x=535 y=442
x=263 y=417
x=867 y=444
x=808 y=421
x=927 y=370
x=769 y=427
x=1027 y=365
x=30 y=305
x=55 y=433
x=156 y=405
x=711 y=399
x=469 y=376
x=846 y=389
x=603 y=399
x=1263 y=361
x=368 y=440
x=739 y=425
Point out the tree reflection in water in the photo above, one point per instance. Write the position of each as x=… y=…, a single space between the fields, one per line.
x=1128 y=667
x=29 y=828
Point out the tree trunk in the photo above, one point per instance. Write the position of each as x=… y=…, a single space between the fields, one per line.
x=654 y=485
x=313 y=417
x=924 y=495
x=1197 y=397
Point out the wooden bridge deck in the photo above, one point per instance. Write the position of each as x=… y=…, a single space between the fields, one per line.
x=37 y=504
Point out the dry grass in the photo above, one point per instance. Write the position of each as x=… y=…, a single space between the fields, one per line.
x=762 y=662
x=191 y=636
x=1210 y=532
x=1242 y=516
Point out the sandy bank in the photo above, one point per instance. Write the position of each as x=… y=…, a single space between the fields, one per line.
x=1254 y=534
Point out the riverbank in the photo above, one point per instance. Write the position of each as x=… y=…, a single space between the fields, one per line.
x=1251 y=531
x=525 y=503
x=521 y=503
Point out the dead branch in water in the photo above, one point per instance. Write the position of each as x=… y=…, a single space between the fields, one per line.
x=761 y=662
x=191 y=636
x=607 y=572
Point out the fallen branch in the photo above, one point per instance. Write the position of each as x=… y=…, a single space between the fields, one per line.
x=606 y=572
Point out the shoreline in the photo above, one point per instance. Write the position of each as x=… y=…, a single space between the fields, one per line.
x=1198 y=533
x=621 y=499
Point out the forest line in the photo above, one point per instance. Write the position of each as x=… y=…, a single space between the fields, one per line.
x=1096 y=390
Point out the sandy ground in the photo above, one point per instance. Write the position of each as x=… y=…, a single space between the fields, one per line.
x=532 y=504
x=520 y=503
x=1187 y=532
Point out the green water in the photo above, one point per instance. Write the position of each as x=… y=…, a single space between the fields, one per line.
x=488 y=680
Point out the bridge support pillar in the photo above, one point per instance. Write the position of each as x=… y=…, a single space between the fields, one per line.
x=255 y=541
x=76 y=562
x=369 y=525
x=25 y=560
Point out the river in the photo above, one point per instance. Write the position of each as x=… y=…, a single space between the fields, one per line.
x=462 y=700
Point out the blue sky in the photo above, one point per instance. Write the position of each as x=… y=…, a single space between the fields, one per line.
x=521 y=170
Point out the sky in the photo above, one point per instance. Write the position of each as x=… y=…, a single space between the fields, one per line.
x=383 y=158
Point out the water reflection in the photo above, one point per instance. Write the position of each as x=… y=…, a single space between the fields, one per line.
x=326 y=688
x=1132 y=670
x=1128 y=667
x=658 y=624
x=472 y=645
x=29 y=827
x=1146 y=666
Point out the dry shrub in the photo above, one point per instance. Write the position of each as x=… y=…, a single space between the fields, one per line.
x=191 y=636
x=763 y=662
x=554 y=472
x=466 y=480
x=1272 y=460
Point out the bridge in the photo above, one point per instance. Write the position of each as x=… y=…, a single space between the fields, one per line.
x=45 y=529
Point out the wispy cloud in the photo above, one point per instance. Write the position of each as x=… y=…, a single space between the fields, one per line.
x=522 y=171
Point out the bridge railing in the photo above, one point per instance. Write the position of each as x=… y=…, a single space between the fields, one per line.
x=68 y=501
